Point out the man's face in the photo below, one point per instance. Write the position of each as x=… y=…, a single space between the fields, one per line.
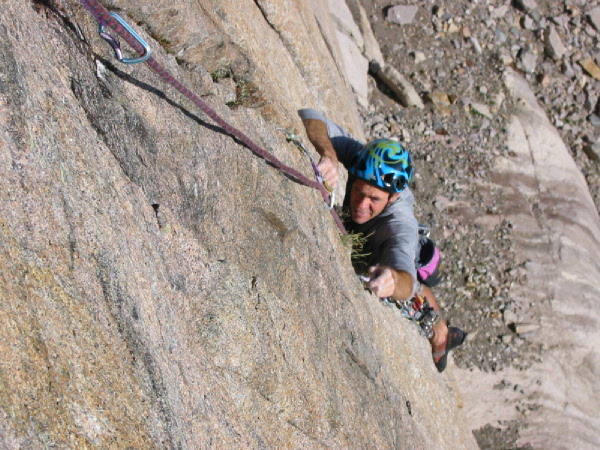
x=367 y=201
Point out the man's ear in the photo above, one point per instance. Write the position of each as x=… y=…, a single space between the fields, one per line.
x=393 y=197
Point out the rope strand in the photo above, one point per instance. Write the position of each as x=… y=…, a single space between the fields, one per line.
x=104 y=18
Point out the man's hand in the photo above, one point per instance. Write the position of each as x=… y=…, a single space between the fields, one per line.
x=387 y=282
x=382 y=282
x=316 y=130
x=329 y=169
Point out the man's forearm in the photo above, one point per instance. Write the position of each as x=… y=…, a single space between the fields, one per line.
x=403 y=285
x=317 y=134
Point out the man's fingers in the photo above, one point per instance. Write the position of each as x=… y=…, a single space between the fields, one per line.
x=331 y=178
x=380 y=288
x=376 y=284
x=382 y=281
x=329 y=171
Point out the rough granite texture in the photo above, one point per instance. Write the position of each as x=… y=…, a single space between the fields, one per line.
x=162 y=287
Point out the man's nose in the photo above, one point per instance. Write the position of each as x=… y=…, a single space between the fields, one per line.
x=364 y=202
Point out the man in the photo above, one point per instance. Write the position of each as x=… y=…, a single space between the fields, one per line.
x=380 y=206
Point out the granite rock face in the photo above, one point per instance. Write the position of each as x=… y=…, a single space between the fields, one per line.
x=161 y=286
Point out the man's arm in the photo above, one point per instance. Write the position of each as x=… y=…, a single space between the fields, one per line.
x=389 y=282
x=328 y=165
x=317 y=134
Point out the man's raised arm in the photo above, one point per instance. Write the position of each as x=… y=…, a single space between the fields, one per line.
x=328 y=165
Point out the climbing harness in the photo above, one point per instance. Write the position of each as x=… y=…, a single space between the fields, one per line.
x=292 y=137
x=429 y=259
x=104 y=19
x=416 y=309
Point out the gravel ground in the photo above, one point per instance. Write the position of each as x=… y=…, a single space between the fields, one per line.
x=453 y=53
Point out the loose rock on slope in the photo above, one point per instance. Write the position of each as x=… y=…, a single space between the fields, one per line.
x=494 y=263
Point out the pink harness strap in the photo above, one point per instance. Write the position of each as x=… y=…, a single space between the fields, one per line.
x=428 y=269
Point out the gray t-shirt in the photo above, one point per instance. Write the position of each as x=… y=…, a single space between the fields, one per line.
x=392 y=236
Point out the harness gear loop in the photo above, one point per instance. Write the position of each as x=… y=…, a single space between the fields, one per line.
x=116 y=46
x=424 y=230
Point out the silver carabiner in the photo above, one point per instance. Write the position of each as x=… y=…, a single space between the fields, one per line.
x=114 y=42
x=331 y=200
x=292 y=137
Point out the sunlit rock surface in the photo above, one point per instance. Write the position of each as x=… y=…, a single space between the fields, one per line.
x=161 y=286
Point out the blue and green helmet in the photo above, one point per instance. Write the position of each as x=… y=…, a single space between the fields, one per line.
x=384 y=163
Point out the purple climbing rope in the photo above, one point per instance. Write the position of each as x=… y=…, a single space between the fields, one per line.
x=104 y=18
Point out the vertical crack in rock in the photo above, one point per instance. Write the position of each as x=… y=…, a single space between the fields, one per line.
x=79 y=92
x=155 y=207
x=360 y=364
x=306 y=433
x=535 y=208
x=124 y=133
x=331 y=51
x=268 y=21
x=68 y=211
x=286 y=42
x=59 y=13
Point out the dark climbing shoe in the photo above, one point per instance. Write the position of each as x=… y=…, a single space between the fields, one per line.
x=456 y=337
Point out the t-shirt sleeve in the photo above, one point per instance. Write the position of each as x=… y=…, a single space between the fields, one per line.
x=344 y=144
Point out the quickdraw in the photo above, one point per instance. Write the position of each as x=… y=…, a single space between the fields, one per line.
x=104 y=18
x=418 y=310
x=292 y=137
x=116 y=46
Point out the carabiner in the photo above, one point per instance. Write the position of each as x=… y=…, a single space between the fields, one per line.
x=424 y=230
x=292 y=137
x=331 y=200
x=114 y=42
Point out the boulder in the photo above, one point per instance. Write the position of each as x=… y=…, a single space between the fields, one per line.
x=371 y=49
x=356 y=68
x=591 y=68
x=526 y=5
x=594 y=16
x=398 y=84
x=482 y=109
x=527 y=61
x=402 y=14
x=526 y=329
x=554 y=46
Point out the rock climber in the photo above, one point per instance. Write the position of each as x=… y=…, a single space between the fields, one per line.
x=380 y=207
